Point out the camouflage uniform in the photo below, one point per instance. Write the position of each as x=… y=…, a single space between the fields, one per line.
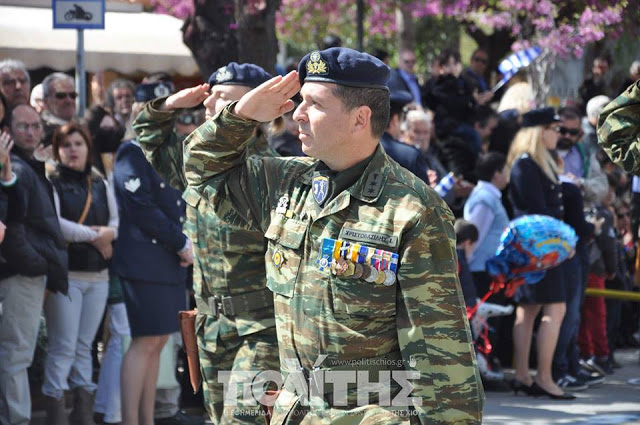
x=417 y=323
x=619 y=130
x=228 y=270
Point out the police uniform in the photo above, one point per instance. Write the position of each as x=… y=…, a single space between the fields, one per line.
x=361 y=263
x=531 y=191
x=235 y=326
x=618 y=129
x=145 y=255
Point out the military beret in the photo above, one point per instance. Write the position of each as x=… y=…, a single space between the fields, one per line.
x=150 y=91
x=400 y=98
x=540 y=116
x=247 y=74
x=343 y=66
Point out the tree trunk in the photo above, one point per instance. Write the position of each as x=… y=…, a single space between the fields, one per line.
x=223 y=31
x=256 y=33
x=406 y=29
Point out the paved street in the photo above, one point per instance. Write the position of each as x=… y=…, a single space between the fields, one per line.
x=615 y=401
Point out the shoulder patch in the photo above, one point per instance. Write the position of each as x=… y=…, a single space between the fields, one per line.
x=132 y=184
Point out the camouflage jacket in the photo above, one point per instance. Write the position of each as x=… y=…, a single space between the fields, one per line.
x=421 y=316
x=619 y=129
x=228 y=254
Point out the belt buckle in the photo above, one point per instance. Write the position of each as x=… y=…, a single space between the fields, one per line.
x=214 y=305
x=226 y=304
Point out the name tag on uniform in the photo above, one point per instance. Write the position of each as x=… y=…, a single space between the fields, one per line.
x=373 y=238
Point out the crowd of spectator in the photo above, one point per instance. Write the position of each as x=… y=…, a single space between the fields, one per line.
x=75 y=248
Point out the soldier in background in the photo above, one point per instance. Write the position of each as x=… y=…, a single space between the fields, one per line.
x=618 y=129
x=361 y=253
x=235 y=323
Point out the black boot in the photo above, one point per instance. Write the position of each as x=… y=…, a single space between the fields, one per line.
x=56 y=415
x=82 y=412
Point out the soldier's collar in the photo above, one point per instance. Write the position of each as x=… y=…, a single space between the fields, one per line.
x=369 y=186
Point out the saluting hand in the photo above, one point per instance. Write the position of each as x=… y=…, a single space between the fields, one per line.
x=269 y=100
x=187 y=98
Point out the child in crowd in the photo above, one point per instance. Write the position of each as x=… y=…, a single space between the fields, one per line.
x=592 y=338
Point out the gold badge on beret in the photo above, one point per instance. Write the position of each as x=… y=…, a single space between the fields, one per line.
x=315 y=64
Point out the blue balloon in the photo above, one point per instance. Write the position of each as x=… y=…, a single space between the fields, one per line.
x=529 y=246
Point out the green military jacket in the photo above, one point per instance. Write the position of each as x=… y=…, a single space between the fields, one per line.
x=228 y=253
x=619 y=130
x=420 y=317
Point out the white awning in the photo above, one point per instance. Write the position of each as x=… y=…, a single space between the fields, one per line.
x=130 y=42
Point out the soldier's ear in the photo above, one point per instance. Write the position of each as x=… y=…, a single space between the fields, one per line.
x=361 y=119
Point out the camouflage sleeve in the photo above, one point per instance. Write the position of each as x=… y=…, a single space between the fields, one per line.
x=160 y=143
x=433 y=331
x=216 y=146
x=215 y=151
x=619 y=129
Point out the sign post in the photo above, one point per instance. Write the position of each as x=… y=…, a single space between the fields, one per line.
x=79 y=15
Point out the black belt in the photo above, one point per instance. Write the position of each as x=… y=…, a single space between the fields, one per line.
x=236 y=304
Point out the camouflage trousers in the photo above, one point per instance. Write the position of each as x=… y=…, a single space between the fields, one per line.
x=289 y=410
x=251 y=353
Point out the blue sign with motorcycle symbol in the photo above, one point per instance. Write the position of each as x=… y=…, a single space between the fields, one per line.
x=78 y=14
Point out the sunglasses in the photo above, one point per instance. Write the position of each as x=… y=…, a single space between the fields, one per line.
x=61 y=95
x=622 y=215
x=569 y=131
x=481 y=60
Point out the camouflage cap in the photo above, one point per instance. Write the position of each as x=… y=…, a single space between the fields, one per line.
x=347 y=67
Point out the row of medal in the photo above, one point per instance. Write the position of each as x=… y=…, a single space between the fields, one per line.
x=356 y=261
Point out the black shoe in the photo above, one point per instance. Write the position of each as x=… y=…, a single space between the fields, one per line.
x=605 y=364
x=589 y=378
x=180 y=418
x=538 y=391
x=591 y=366
x=570 y=383
x=614 y=363
x=519 y=386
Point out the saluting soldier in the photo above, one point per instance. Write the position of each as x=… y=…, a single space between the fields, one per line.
x=361 y=253
x=235 y=325
x=619 y=129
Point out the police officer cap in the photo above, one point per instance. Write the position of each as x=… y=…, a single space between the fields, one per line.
x=343 y=66
x=150 y=91
x=540 y=116
x=400 y=98
x=247 y=74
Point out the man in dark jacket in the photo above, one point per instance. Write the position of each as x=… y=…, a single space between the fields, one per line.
x=36 y=257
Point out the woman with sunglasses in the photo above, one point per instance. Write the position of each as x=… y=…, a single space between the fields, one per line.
x=88 y=218
x=535 y=189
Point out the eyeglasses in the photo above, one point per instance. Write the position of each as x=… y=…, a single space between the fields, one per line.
x=14 y=81
x=124 y=97
x=481 y=60
x=25 y=127
x=61 y=95
x=569 y=131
